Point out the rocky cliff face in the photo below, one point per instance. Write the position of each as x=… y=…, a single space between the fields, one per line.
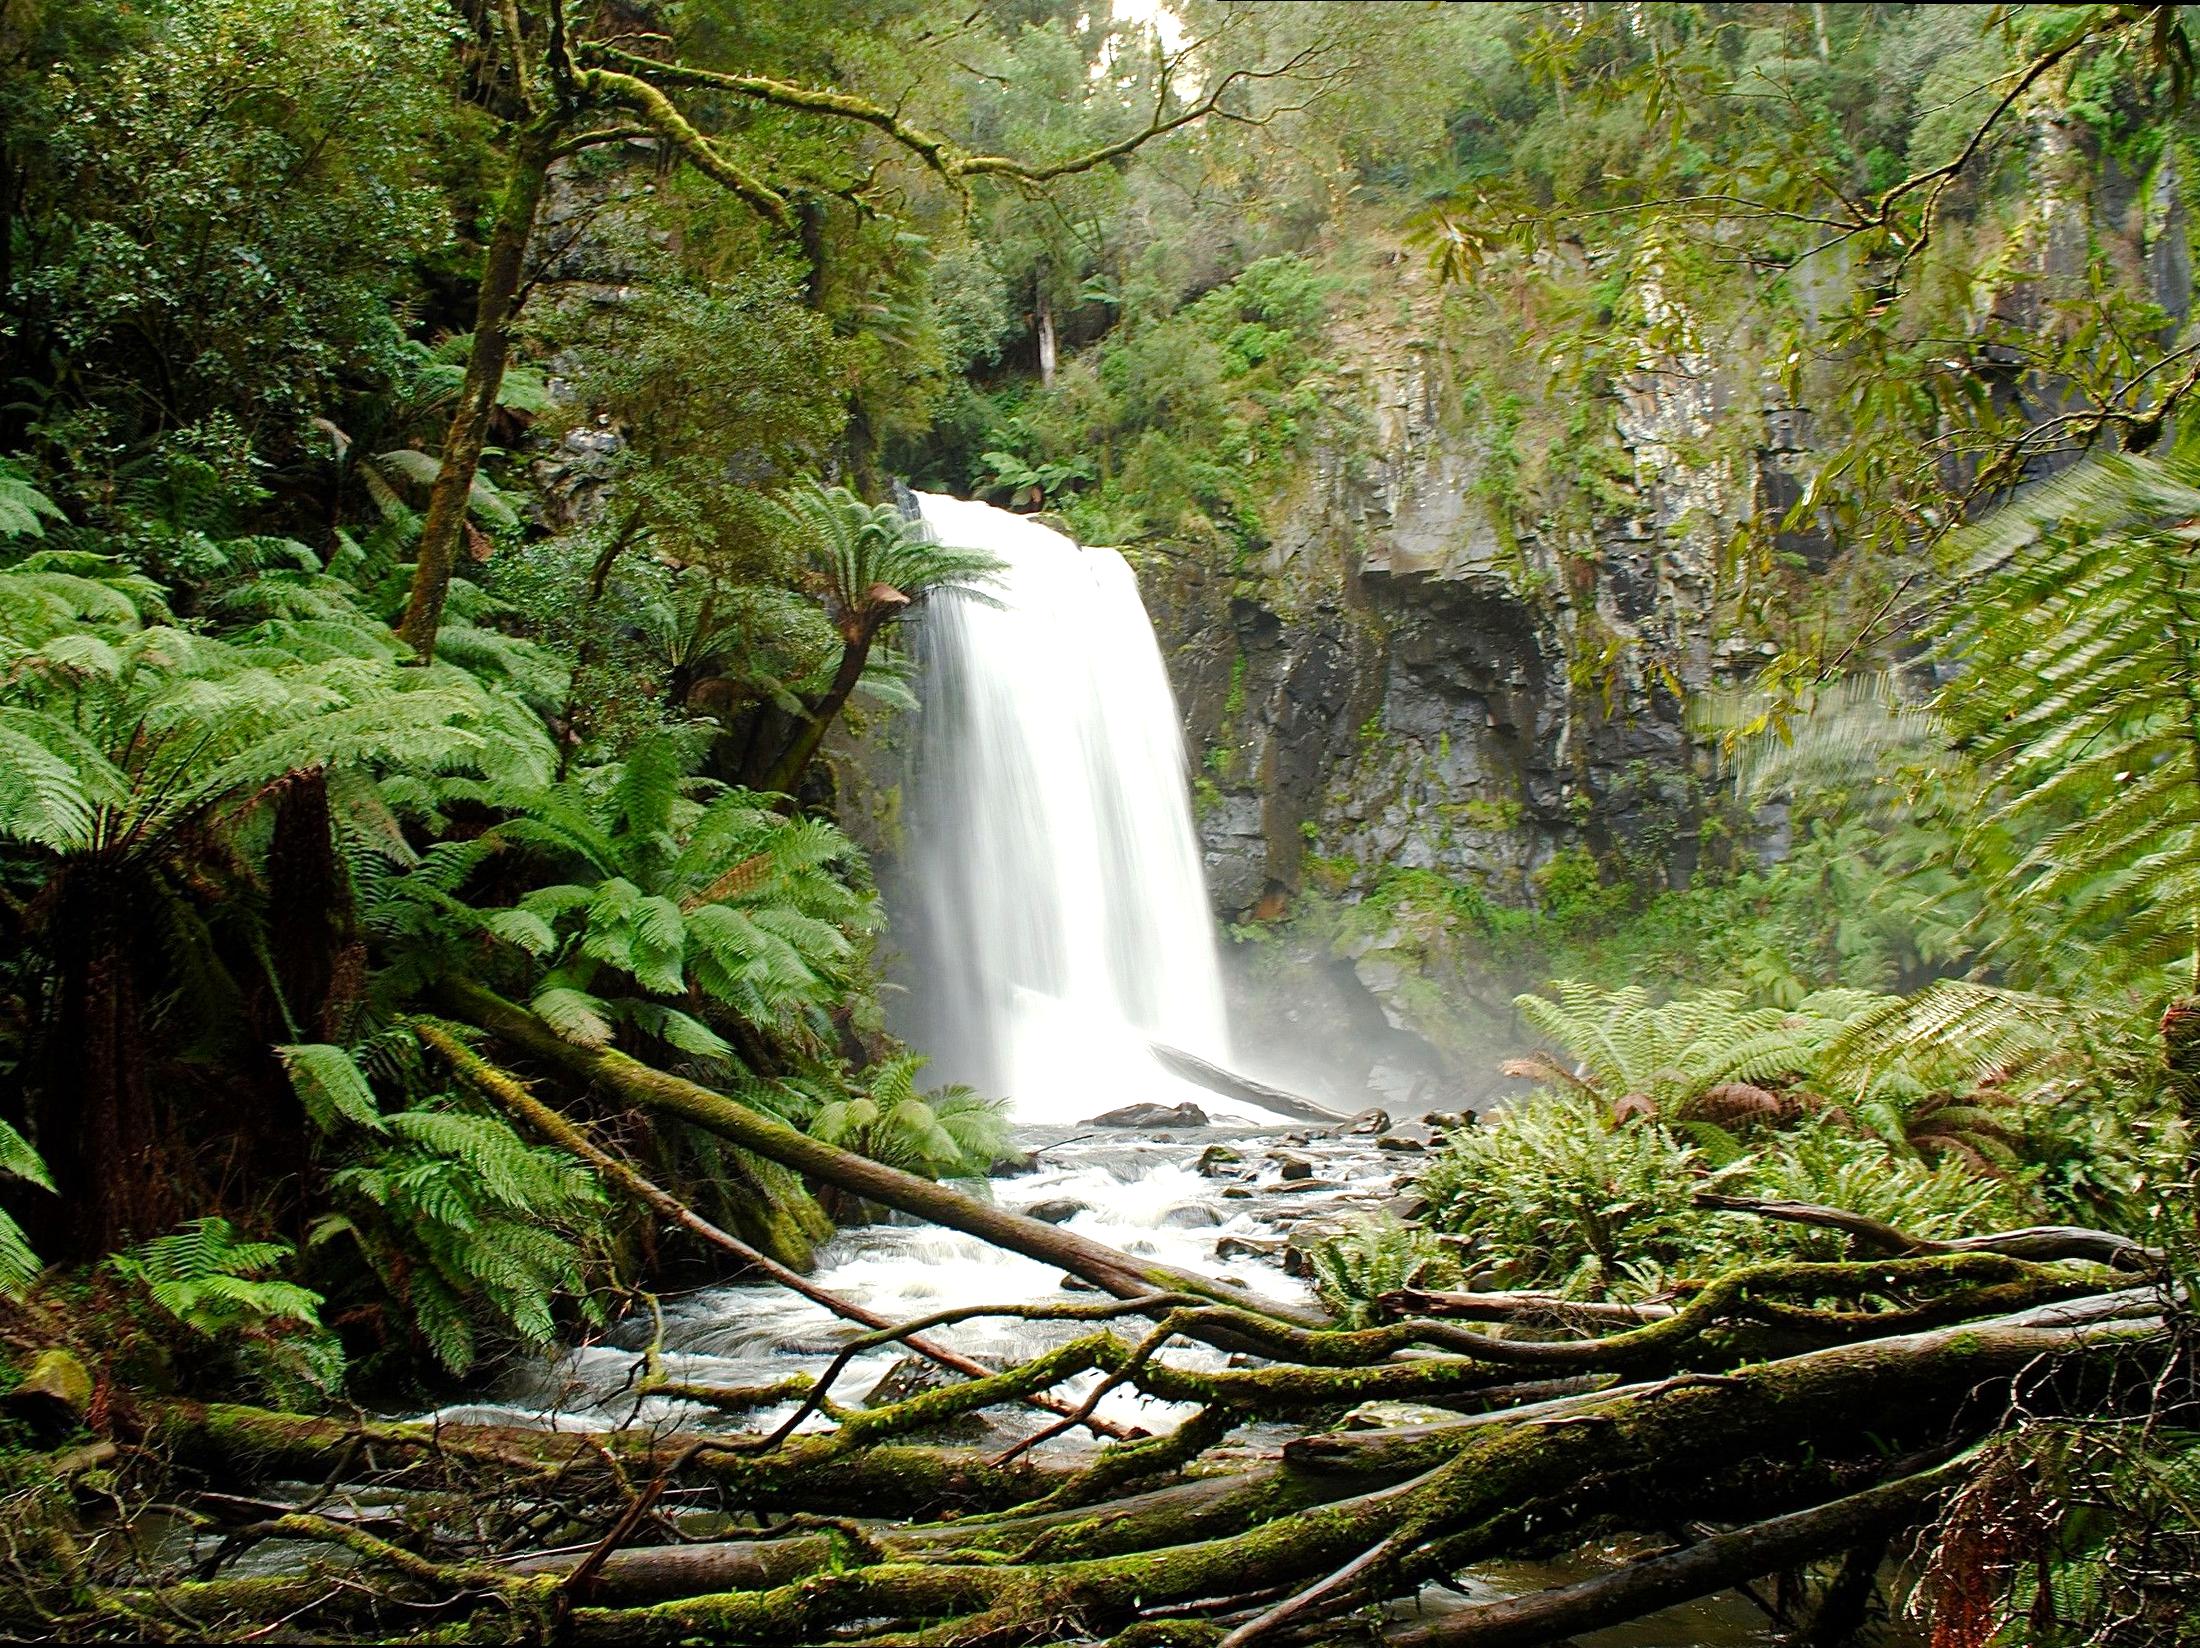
x=1416 y=680
x=1424 y=672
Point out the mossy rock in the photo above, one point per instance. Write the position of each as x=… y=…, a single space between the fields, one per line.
x=1169 y=1633
x=54 y=1393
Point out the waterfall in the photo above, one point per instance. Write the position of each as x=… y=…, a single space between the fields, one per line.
x=1065 y=917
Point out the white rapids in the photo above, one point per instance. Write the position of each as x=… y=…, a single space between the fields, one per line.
x=1066 y=924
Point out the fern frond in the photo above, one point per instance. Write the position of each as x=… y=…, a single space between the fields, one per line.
x=331 y=1086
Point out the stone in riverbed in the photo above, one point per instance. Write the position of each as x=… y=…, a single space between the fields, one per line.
x=1410 y=1136
x=53 y=1394
x=1153 y=1115
x=914 y=1376
x=1217 y=1160
x=1247 y=1247
x=1190 y=1216
x=1292 y=1167
x=1058 y=1211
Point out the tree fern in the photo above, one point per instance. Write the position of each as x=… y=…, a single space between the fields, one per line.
x=1669 y=1052
x=18 y=1264
x=2076 y=631
x=220 y=1287
x=24 y=509
x=331 y=1086
x=469 y=1227
x=944 y=1133
x=868 y=554
x=665 y=900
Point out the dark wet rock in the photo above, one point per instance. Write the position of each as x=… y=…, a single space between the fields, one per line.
x=1056 y=1211
x=911 y=1376
x=1248 y=1247
x=1292 y=1167
x=1299 y=1246
x=1409 y=1136
x=914 y=1376
x=1301 y=1187
x=52 y=1395
x=1411 y=1209
x=1446 y=1121
x=1190 y=1216
x=1237 y=1193
x=1009 y=1166
x=1153 y=1115
x=1075 y=1284
x=1217 y=1160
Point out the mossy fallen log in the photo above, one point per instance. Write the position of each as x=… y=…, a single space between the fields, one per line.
x=651 y=1089
x=807 y=1474
x=1717 y=1563
x=1621 y=1450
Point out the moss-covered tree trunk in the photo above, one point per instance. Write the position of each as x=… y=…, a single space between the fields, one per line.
x=496 y=308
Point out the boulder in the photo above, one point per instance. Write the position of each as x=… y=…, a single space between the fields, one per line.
x=1290 y=1167
x=1248 y=1247
x=1217 y=1160
x=1190 y=1216
x=1056 y=1211
x=1153 y=1115
x=54 y=1394
x=914 y=1376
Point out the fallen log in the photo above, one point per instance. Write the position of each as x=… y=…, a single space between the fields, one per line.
x=1233 y=1085
x=1711 y=1565
x=2039 y=1243
x=1517 y=1306
x=638 y=1084
x=1640 y=1447
x=807 y=1474
x=502 y=1089
x=1199 y=1508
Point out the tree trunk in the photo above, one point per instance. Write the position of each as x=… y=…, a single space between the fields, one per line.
x=502 y=277
x=1715 y=1564
x=637 y=1084
x=100 y=1127
x=1044 y=304
x=810 y=732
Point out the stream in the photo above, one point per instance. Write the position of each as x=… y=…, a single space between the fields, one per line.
x=1143 y=1192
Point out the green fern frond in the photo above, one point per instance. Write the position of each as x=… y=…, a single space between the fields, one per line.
x=331 y=1086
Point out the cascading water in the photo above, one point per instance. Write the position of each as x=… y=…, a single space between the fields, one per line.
x=1067 y=924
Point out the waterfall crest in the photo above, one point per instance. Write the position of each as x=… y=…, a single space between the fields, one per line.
x=1066 y=920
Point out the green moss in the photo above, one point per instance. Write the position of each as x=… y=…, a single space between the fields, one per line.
x=1233 y=703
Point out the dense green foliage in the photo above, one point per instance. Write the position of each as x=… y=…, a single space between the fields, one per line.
x=444 y=522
